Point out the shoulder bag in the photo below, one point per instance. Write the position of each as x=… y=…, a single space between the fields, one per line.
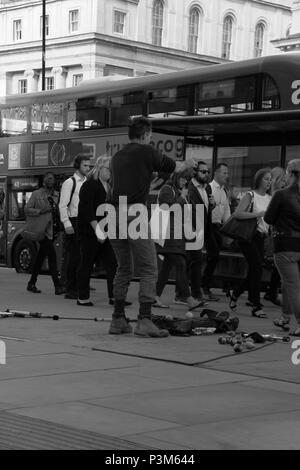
x=241 y=229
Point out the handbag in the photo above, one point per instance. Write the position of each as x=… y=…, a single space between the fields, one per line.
x=35 y=227
x=241 y=229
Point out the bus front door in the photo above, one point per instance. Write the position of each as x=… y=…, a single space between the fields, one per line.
x=3 y=222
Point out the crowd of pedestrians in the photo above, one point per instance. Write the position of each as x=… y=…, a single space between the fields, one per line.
x=273 y=202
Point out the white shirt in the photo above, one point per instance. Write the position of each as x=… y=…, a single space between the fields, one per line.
x=202 y=191
x=221 y=212
x=261 y=203
x=72 y=210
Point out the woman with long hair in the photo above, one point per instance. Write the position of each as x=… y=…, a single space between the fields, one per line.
x=278 y=182
x=254 y=251
x=174 y=253
x=93 y=193
x=283 y=214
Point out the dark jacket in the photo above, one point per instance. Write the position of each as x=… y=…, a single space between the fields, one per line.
x=170 y=195
x=195 y=198
x=91 y=195
x=131 y=170
x=284 y=214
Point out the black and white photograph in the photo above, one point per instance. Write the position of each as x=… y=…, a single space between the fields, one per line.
x=150 y=228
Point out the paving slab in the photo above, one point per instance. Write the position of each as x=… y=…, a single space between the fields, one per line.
x=97 y=419
x=194 y=405
x=274 y=431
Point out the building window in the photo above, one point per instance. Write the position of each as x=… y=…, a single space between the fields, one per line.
x=73 y=21
x=227 y=36
x=157 y=22
x=194 y=22
x=22 y=86
x=17 y=30
x=119 y=22
x=259 y=39
x=46 y=25
x=77 y=78
x=49 y=83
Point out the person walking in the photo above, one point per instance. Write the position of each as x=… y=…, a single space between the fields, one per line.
x=92 y=194
x=132 y=169
x=254 y=251
x=175 y=192
x=43 y=203
x=198 y=193
x=68 y=207
x=220 y=214
x=278 y=182
x=283 y=214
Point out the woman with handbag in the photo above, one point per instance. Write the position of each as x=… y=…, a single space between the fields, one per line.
x=42 y=210
x=284 y=215
x=253 y=206
x=174 y=192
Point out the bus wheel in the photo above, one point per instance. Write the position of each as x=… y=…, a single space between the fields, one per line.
x=24 y=256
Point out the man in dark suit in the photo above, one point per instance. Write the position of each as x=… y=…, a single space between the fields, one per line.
x=198 y=193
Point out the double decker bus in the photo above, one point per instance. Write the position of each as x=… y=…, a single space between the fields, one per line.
x=245 y=114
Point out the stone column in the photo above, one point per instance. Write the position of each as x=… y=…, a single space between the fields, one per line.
x=60 y=74
x=32 y=77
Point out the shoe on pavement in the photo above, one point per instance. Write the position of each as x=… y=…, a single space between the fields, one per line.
x=179 y=301
x=272 y=298
x=59 y=290
x=112 y=302
x=85 y=304
x=208 y=295
x=119 y=326
x=146 y=328
x=32 y=288
x=71 y=296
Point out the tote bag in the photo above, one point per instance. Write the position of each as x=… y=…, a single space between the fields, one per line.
x=35 y=227
x=241 y=229
x=159 y=224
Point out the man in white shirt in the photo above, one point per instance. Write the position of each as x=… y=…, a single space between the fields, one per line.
x=68 y=208
x=220 y=215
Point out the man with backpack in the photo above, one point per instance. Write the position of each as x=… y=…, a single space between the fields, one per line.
x=68 y=207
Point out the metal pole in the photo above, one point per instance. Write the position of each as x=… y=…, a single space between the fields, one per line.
x=44 y=46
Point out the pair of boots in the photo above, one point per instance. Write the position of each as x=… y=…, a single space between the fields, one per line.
x=144 y=328
x=31 y=287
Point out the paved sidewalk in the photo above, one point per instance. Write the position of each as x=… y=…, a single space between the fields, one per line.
x=68 y=384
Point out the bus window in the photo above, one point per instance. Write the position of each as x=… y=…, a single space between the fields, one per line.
x=169 y=102
x=226 y=96
x=198 y=152
x=87 y=113
x=17 y=203
x=14 y=121
x=47 y=117
x=244 y=162
x=125 y=106
x=270 y=94
x=292 y=152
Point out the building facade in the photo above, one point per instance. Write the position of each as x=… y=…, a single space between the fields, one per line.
x=91 y=38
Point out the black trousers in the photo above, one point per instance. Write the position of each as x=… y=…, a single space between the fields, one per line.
x=71 y=259
x=275 y=282
x=90 y=249
x=213 y=247
x=254 y=254
x=179 y=261
x=46 y=250
x=194 y=266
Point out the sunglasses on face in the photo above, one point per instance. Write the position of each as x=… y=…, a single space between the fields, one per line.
x=204 y=171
